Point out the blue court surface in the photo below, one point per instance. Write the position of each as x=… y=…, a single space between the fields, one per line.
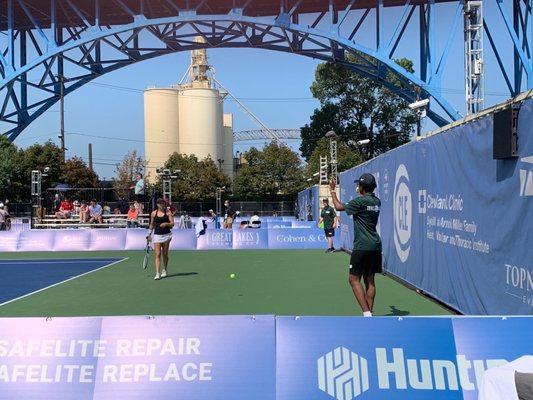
x=23 y=277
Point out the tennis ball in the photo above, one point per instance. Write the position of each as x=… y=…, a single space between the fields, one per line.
x=232 y=276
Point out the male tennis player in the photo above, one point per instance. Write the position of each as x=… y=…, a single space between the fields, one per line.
x=365 y=261
x=329 y=217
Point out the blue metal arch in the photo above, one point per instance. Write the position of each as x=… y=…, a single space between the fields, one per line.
x=329 y=46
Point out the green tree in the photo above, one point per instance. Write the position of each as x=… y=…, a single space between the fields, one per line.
x=197 y=180
x=126 y=171
x=365 y=110
x=35 y=157
x=324 y=119
x=7 y=153
x=346 y=157
x=77 y=174
x=276 y=172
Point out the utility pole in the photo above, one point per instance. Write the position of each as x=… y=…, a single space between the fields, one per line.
x=62 y=114
x=91 y=156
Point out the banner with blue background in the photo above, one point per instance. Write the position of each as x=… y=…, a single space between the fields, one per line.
x=454 y=222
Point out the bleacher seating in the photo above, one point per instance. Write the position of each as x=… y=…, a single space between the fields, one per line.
x=109 y=221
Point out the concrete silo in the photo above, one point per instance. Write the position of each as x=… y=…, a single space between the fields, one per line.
x=188 y=119
x=161 y=125
x=201 y=123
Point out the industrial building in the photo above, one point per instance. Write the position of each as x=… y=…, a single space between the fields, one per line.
x=188 y=118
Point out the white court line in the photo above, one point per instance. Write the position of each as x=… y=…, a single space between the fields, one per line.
x=66 y=280
x=54 y=260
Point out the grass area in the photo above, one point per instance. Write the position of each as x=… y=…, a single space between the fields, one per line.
x=281 y=282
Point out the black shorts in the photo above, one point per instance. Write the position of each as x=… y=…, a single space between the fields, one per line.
x=365 y=262
x=330 y=232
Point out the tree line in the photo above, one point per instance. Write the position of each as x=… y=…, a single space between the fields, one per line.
x=356 y=108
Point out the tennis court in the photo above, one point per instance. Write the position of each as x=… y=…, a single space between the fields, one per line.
x=281 y=282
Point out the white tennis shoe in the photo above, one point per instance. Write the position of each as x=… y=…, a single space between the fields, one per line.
x=157 y=276
x=164 y=273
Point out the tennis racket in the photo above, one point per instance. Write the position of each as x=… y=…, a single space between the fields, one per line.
x=147 y=254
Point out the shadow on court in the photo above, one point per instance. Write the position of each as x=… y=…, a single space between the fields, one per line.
x=181 y=274
x=395 y=312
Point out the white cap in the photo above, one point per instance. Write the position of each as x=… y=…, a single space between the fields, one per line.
x=1 y=205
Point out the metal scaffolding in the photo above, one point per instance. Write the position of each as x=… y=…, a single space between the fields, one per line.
x=81 y=40
x=473 y=18
x=323 y=172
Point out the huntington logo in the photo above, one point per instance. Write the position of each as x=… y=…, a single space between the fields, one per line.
x=403 y=213
x=342 y=374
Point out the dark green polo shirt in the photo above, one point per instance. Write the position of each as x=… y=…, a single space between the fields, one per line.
x=328 y=214
x=365 y=211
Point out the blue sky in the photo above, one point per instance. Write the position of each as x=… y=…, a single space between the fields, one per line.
x=247 y=73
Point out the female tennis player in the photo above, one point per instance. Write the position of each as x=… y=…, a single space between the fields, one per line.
x=161 y=223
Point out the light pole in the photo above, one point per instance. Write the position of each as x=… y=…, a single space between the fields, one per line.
x=166 y=177
x=36 y=188
x=420 y=107
x=332 y=136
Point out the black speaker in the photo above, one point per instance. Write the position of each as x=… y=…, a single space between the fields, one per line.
x=505 y=135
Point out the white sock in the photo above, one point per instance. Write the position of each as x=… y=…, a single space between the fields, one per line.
x=367 y=313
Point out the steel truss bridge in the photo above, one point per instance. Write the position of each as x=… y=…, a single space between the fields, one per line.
x=261 y=134
x=50 y=46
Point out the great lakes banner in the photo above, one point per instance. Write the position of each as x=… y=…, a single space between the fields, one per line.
x=454 y=222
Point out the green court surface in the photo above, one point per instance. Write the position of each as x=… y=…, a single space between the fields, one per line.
x=281 y=282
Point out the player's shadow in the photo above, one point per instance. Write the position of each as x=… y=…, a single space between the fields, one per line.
x=181 y=274
x=394 y=312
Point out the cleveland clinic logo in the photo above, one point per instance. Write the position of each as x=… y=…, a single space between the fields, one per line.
x=402 y=213
x=342 y=374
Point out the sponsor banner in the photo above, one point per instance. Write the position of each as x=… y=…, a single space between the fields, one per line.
x=183 y=239
x=72 y=240
x=9 y=241
x=36 y=240
x=221 y=239
x=211 y=357
x=347 y=358
x=451 y=212
x=108 y=239
x=48 y=358
x=308 y=207
x=136 y=239
x=298 y=238
x=304 y=224
x=279 y=224
x=250 y=239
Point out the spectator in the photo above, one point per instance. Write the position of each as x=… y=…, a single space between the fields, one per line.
x=106 y=209
x=65 y=209
x=4 y=218
x=139 y=206
x=8 y=220
x=84 y=212
x=122 y=206
x=133 y=217
x=255 y=221
x=95 y=212
x=56 y=203
x=76 y=207
x=214 y=218
x=229 y=216
x=139 y=188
